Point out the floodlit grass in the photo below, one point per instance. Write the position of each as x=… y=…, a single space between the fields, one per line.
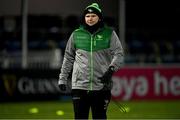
x=64 y=110
x=146 y=110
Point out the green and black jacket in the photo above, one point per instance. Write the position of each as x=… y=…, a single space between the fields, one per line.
x=90 y=55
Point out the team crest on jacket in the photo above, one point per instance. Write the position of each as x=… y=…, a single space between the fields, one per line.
x=99 y=37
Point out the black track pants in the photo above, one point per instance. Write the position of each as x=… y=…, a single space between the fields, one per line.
x=96 y=100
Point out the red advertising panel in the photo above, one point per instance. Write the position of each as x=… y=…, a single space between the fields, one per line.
x=146 y=83
x=130 y=83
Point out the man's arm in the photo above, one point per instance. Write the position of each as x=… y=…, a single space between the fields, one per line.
x=68 y=61
x=117 y=52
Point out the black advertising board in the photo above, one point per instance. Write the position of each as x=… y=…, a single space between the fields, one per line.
x=30 y=84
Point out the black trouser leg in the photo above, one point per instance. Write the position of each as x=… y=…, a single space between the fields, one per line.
x=81 y=104
x=99 y=104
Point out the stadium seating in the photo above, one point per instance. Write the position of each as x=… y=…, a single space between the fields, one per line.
x=47 y=32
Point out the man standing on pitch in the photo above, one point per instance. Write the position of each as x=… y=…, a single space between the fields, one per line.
x=94 y=53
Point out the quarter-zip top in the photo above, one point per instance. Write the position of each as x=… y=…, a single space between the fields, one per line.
x=89 y=56
x=91 y=43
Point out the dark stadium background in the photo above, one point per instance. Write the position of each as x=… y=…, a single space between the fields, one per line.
x=32 y=46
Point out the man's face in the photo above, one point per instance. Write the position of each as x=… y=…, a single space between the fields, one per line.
x=91 y=19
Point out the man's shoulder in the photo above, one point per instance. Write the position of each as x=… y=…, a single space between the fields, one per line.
x=108 y=28
x=81 y=27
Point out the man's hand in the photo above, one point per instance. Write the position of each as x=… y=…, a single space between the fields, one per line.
x=62 y=87
x=106 y=78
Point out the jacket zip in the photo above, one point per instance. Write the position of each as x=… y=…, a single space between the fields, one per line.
x=91 y=60
x=91 y=63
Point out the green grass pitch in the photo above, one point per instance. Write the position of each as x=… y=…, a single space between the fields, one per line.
x=64 y=110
